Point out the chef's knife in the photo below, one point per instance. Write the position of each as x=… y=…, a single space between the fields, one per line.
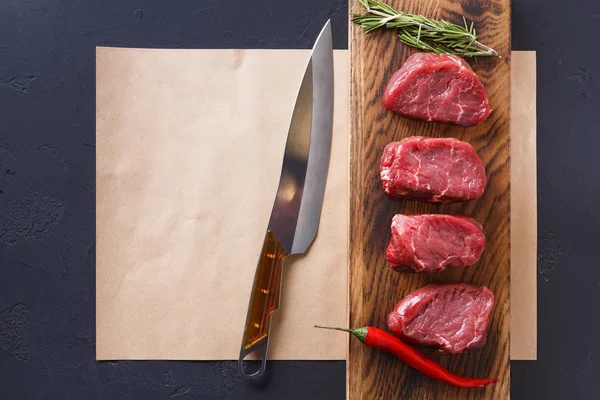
x=299 y=199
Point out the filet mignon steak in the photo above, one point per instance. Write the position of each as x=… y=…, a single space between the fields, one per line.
x=450 y=316
x=432 y=169
x=437 y=87
x=433 y=242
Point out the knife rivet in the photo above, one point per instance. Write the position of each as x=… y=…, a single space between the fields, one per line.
x=256 y=325
x=270 y=255
x=264 y=291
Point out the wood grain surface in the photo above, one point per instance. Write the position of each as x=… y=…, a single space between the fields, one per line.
x=374 y=288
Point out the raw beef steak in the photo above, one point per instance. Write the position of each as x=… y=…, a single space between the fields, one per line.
x=433 y=242
x=450 y=316
x=437 y=87
x=432 y=169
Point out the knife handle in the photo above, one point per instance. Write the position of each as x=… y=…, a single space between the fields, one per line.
x=264 y=301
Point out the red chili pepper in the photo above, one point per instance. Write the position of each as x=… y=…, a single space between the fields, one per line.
x=378 y=339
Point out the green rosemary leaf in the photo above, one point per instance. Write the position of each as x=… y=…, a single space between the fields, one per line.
x=422 y=32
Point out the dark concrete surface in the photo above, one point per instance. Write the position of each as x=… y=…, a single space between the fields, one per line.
x=47 y=217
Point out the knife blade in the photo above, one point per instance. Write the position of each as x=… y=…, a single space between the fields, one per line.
x=299 y=199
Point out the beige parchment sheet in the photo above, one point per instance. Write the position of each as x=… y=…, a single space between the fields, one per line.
x=523 y=205
x=189 y=147
x=189 y=151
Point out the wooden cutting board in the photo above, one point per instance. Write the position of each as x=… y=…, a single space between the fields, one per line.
x=374 y=288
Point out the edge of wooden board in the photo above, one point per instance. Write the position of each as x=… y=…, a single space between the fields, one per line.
x=361 y=362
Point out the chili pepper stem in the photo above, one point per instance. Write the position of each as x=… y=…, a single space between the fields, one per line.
x=335 y=328
x=359 y=333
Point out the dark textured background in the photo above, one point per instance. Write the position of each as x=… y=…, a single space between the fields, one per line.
x=47 y=161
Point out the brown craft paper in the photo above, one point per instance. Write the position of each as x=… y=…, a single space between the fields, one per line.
x=189 y=150
x=523 y=204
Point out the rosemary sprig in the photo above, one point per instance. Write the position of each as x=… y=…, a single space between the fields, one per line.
x=423 y=33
